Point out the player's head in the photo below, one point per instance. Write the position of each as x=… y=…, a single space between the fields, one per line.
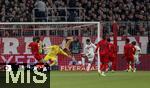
x=134 y=43
x=88 y=41
x=36 y=39
x=127 y=40
x=108 y=39
x=104 y=37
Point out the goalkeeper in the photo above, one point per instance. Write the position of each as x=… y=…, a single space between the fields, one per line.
x=51 y=56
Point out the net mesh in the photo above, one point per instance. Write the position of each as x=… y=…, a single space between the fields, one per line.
x=50 y=34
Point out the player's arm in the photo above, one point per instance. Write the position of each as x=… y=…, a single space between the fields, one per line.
x=64 y=53
x=133 y=50
x=94 y=46
x=47 y=48
x=97 y=46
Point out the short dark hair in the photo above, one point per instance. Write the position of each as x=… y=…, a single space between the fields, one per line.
x=127 y=40
x=104 y=37
x=36 y=39
x=88 y=40
x=134 y=43
x=108 y=39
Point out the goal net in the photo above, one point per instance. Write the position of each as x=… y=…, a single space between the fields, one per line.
x=15 y=38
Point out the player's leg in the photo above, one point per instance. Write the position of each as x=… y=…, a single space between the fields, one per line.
x=110 y=63
x=39 y=65
x=136 y=61
x=45 y=66
x=106 y=67
x=103 y=65
x=128 y=67
x=51 y=59
x=52 y=62
x=106 y=61
x=45 y=62
x=90 y=61
x=113 y=64
x=132 y=64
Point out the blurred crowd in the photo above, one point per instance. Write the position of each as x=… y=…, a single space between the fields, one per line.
x=81 y=10
x=85 y=10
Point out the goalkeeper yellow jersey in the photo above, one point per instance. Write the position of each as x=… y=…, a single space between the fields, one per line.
x=53 y=51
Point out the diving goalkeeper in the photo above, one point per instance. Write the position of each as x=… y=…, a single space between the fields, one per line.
x=51 y=56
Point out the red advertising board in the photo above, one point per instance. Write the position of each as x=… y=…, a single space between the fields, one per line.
x=14 y=50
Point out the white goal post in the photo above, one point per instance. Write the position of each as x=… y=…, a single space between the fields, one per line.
x=10 y=25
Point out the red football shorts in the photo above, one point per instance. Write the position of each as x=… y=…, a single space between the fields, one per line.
x=104 y=59
x=130 y=59
x=38 y=56
x=112 y=57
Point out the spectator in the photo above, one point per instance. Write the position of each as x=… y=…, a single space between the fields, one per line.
x=120 y=10
x=75 y=46
x=83 y=10
x=40 y=10
x=6 y=34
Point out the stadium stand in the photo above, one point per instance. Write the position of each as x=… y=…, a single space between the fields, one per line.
x=132 y=15
x=87 y=10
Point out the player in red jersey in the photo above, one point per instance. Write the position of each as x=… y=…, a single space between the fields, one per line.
x=129 y=51
x=103 y=51
x=112 y=54
x=34 y=46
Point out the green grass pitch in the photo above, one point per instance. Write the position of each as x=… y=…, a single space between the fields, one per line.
x=140 y=79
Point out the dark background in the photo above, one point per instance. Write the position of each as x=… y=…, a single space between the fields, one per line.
x=24 y=85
